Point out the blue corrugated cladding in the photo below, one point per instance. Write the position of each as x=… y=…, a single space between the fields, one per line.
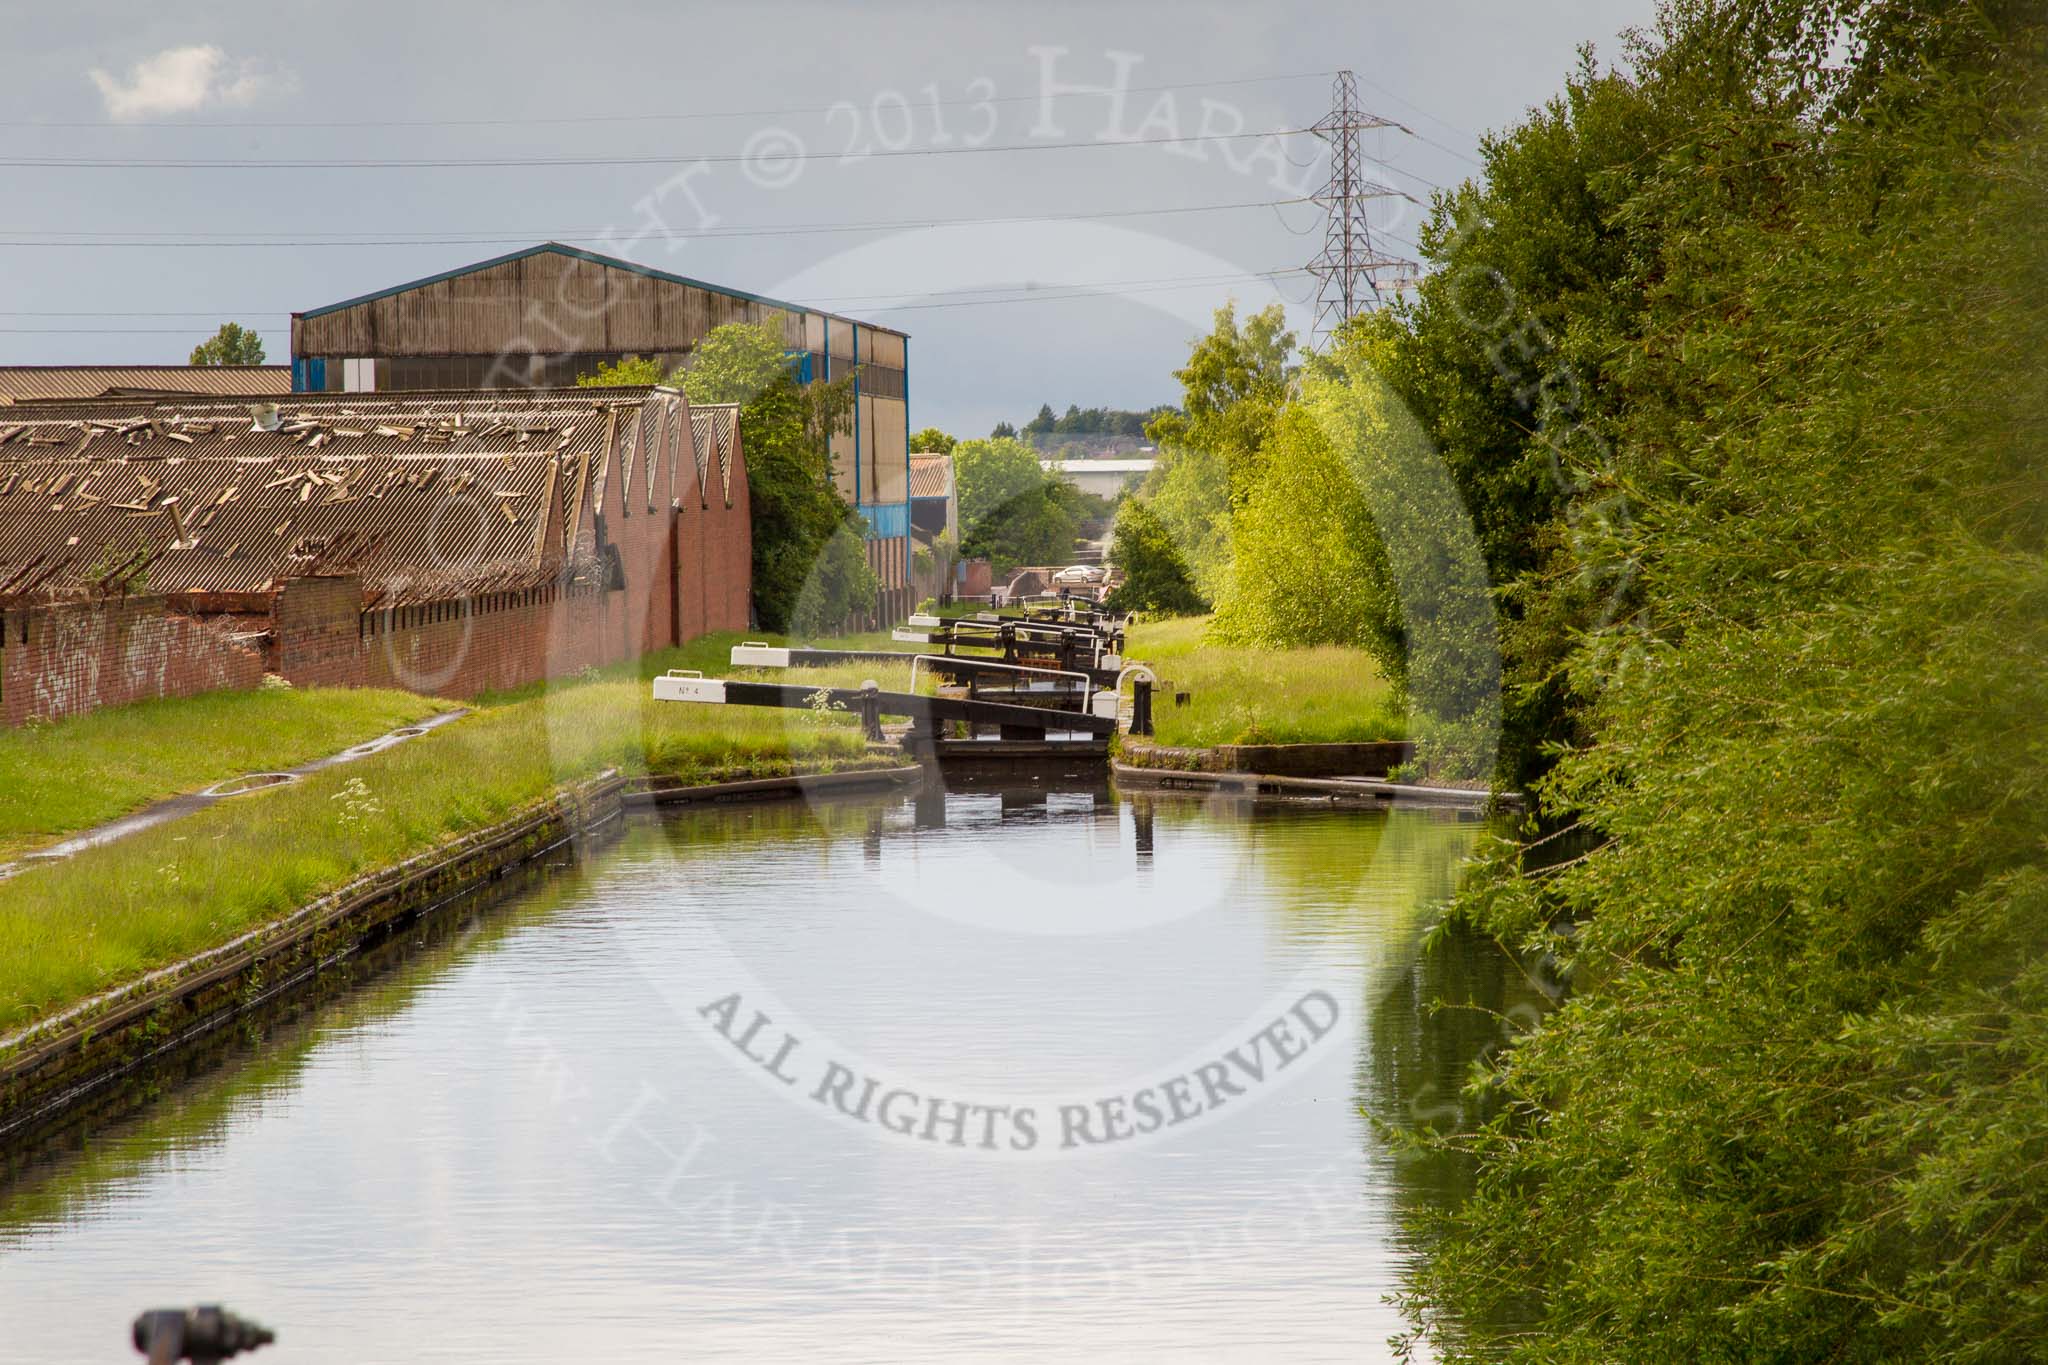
x=887 y=520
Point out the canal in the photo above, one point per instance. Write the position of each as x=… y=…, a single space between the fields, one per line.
x=1037 y=1076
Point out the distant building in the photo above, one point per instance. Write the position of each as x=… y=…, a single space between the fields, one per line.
x=42 y=383
x=1103 y=478
x=974 y=578
x=935 y=517
x=934 y=501
x=551 y=313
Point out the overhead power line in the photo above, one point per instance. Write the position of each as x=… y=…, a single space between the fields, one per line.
x=1040 y=297
x=796 y=111
x=1046 y=293
x=1418 y=178
x=99 y=238
x=1082 y=286
x=1399 y=98
x=774 y=156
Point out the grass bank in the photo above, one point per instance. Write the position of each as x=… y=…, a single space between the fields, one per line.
x=62 y=777
x=1321 y=695
x=76 y=927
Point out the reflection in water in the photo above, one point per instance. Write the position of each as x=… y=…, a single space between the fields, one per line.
x=1450 y=1009
x=1445 y=1011
x=557 y=1131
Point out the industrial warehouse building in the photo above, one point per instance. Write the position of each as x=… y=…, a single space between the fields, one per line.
x=449 y=542
x=550 y=314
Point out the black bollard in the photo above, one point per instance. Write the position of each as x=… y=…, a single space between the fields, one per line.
x=870 y=711
x=204 y=1335
x=1141 y=706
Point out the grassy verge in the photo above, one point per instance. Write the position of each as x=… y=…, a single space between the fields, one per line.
x=1326 y=694
x=57 y=779
x=70 y=929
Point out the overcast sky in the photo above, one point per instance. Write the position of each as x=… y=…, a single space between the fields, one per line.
x=373 y=82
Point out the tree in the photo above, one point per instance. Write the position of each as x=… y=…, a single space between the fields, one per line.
x=1010 y=509
x=810 y=570
x=1189 y=493
x=1308 y=567
x=932 y=441
x=631 y=372
x=1236 y=380
x=1089 y=512
x=1511 y=354
x=1235 y=383
x=231 y=345
x=1156 y=576
x=1080 y=421
x=739 y=361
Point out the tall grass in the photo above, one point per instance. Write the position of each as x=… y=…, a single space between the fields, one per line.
x=69 y=775
x=1321 y=694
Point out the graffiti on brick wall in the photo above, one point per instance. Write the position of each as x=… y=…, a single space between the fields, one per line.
x=78 y=659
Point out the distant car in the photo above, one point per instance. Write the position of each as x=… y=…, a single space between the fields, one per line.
x=1079 y=573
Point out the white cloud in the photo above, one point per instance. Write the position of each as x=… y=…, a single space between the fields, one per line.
x=179 y=80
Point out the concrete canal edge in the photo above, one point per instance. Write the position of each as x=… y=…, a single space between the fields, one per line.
x=659 y=791
x=1367 y=758
x=1346 y=791
x=59 y=1064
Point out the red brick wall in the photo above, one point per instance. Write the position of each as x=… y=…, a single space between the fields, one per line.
x=726 y=572
x=316 y=626
x=642 y=538
x=688 y=554
x=729 y=570
x=68 y=659
x=692 y=568
x=497 y=641
x=713 y=552
x=688 y=557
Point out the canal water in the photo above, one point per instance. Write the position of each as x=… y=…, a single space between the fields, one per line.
x=1029 y=1076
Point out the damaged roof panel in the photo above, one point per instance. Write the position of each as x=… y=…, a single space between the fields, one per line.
x=45 y=383
x=420 y=495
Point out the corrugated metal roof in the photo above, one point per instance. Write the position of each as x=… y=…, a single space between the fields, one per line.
x=23 y=383
x=931 y=476
x=424 y=496
x=595 y=258
x=226 y=524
